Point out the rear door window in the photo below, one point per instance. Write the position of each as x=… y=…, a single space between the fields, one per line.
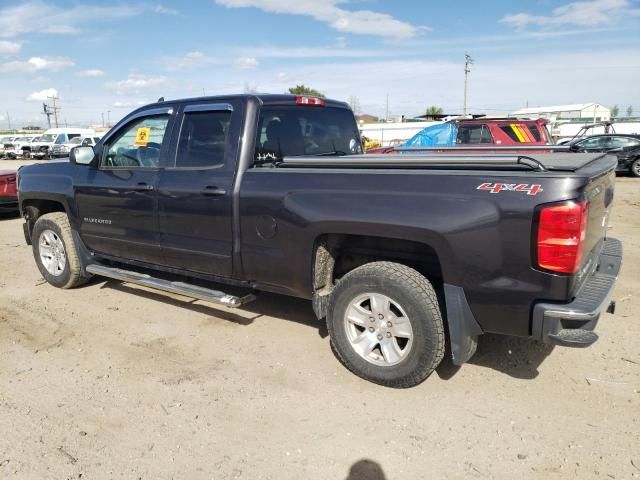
x=474 y=134
x=203 y=139
x=622 y=142
x=305 y=130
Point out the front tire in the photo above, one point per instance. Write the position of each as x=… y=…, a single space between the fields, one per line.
x=55 y=251
x=385 y=324
x=634 y=170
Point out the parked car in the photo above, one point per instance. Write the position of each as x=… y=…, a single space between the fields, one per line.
x=8 y=192
x=6 y=143
x=59 y=151
x=397 y=254
x=20 y=146
x=625 y=147
x=484 y=132
x=58 y=136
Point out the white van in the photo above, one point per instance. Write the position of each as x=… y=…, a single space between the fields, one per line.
x=58 y=136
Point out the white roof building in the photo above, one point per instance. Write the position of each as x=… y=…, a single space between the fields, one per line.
x=593 y=112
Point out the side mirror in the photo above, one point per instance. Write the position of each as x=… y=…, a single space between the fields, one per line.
x=574 y=148
x=82 y=155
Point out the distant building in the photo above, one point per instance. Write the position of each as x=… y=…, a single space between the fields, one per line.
x=364 y=118
x=582 y=112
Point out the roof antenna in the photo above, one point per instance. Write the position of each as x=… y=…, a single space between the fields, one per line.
x=161 y=99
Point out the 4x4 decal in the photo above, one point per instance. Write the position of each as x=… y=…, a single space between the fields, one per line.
x=532 y=189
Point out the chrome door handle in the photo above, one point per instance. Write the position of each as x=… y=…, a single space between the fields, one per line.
x=143 y=187
x=212 y=191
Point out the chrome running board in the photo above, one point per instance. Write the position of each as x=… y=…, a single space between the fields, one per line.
x=181 y=288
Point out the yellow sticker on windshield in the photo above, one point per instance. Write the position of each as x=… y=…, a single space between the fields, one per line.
x=142 y=136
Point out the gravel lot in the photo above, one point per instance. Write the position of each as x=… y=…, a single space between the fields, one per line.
x=115 y=381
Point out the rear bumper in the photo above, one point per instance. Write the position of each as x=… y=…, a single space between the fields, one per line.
x=8 y=204
x=572 y=324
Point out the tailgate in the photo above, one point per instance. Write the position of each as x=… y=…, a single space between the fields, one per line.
x=599 y=194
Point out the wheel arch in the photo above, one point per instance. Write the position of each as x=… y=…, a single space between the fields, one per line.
x=34 y=208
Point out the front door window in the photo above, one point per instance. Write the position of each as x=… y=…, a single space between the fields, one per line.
x=138 y=145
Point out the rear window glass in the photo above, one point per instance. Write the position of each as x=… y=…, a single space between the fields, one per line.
x=510 y=131
x=522 y=132
x=305 y=130
x=535 y=133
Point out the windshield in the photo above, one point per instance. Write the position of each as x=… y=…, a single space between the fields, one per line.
x=306 y=130
x=48 y=137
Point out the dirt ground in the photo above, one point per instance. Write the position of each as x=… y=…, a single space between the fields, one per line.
x=114 y=381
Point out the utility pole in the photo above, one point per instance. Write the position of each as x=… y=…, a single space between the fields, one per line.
x=467 y=61
x=109 y=118
x=386 y=114
x=102 y=113
x=9 y=120
x=45 y=111
x=54 y=108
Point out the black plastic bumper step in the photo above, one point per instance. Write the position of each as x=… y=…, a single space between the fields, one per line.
x=573 y=337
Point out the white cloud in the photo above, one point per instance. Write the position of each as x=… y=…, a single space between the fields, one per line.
x=136 y=82
x=583 y=14
x=134 y=104
x=165 y=10
x=187 y=61
x=43 y=17
x=36 y=64
x=364 y=22
x=42 y=95
x=9 y=48
x=246 y=63
x=319 y=52
x=92 y=72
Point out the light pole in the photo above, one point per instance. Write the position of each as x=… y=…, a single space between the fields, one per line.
x=467 y=61
x=108 y=118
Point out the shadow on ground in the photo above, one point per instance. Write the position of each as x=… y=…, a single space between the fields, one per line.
x=513 y=356
x=10 y=215
x=267 y=304
x=366 y=469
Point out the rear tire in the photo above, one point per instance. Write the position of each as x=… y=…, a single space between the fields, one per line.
x=634 y=170
x=55 y=251
x=385 y=324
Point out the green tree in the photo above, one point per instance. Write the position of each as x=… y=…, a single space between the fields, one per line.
x=629 y=111
x=615 y=111
x=434 y=110
x=304 y=90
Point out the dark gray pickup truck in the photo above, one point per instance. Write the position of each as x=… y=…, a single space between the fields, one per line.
x=401 y=255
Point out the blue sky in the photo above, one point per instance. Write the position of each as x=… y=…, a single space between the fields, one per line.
x=101 y=58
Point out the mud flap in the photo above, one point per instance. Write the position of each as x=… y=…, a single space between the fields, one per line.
x=463 y=328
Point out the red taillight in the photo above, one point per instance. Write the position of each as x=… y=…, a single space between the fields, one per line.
x=310 y=101
x=562 y=229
